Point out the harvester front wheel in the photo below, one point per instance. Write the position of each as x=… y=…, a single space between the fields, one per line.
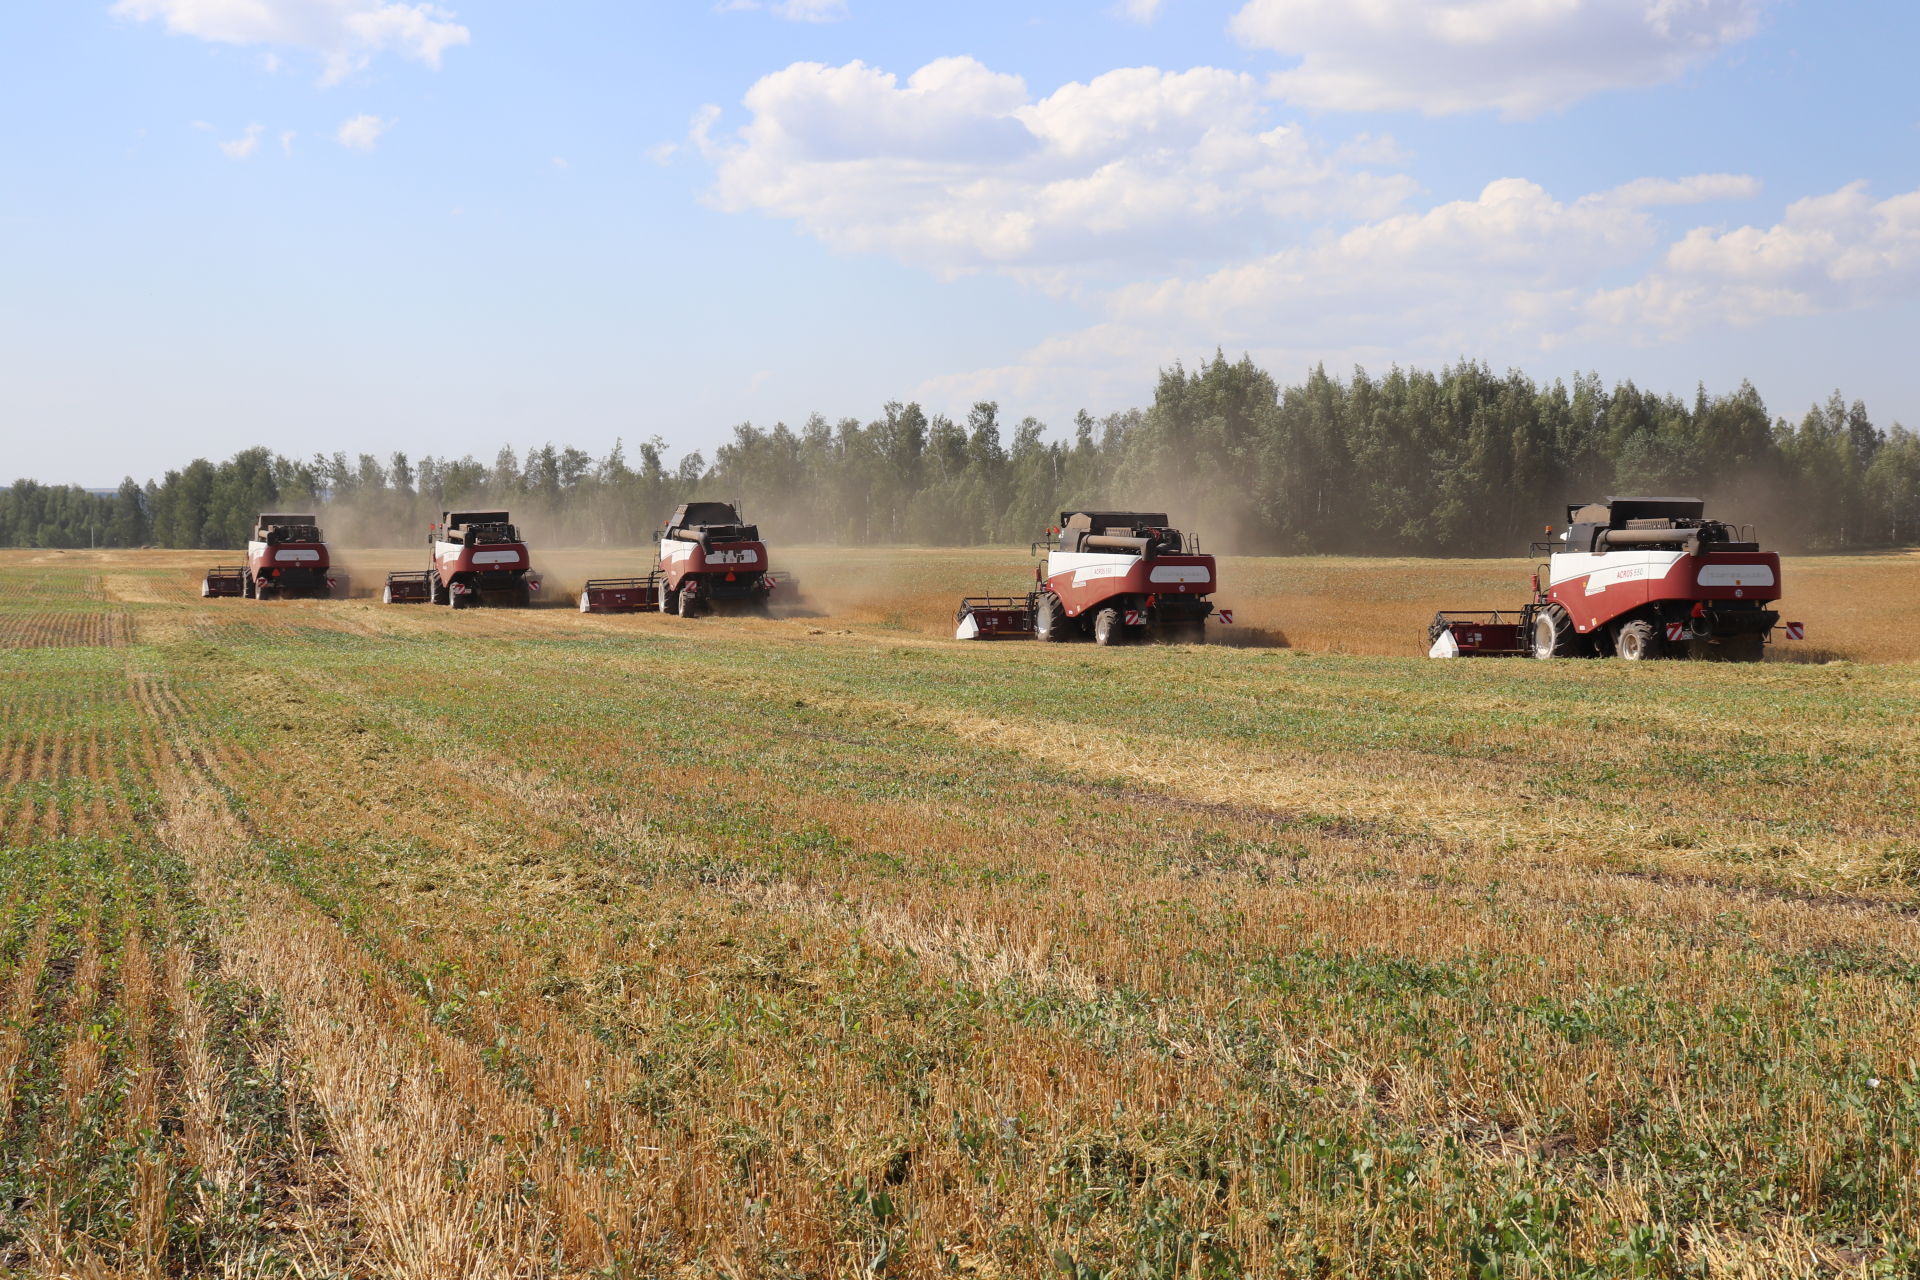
x=1050 y=619
x=1553 y=634
x=1638 y=641
x=1107 y=626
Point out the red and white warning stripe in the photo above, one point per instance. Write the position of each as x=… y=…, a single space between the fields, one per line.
x=1135 y=617
x=1225 y=615
x=1676 y=631
x=1796 y=631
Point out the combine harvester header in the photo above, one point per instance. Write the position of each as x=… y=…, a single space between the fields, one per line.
x=1114 y=576
x=474 y=557
x=710 y=561
x=1637 y=577
x=287 y=557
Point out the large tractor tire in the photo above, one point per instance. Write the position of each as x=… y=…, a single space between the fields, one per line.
x=521 y=596
x=1183 y=633
x=262 y=590
x=1107 y=627
x=246 y=586
x=1553 y=634
x=455 y=599
x=1050 y=621
x=1638 y=641
x=687 y=603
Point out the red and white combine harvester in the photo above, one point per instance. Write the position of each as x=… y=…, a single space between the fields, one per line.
x=1637 y=577
x=710 y=561
x=287 y=557
x=475 y=557
x=1116 y=576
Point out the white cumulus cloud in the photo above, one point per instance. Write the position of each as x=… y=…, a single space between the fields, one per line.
x=960 y=168
x=1513 y=269
x=362 y=133
x=242 y=147
x=1520 y=57
x=347 y=34
x=791 y=10
x=1833 y=252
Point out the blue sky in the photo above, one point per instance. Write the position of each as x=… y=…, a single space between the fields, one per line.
x=373 y=224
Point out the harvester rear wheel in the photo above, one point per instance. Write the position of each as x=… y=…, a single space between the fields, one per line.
x=1107 y=628
x=686 y=602
x=1050 y=619
x=1553 y=634
x=454 y=598
x=1638 y=641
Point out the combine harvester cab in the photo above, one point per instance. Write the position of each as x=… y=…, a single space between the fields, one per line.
x=1639 y=578
x=476 y=558
x=286 y=558
x=710 y=560
x=1114 y=576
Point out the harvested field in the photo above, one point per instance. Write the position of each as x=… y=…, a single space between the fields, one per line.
x=348 y=940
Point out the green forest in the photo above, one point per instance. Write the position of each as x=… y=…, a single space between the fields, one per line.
x=1458 y=462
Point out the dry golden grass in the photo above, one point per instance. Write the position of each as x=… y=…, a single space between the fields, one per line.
x=527 y=943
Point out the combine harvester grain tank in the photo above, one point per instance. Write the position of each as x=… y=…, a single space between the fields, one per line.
x=474 y=558
x=1639 y=578
x=710 y=560
x=1112 y=576
x=286 y=558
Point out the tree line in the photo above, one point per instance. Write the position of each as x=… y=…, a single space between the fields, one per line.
x=1454 y=462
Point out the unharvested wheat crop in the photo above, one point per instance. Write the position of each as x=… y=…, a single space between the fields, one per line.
x=348 y=940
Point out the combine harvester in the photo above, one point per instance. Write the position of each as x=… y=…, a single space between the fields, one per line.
x=1637 y=577
x=710 y=561
x=1117 y=576
x=477 y=557
x=287 y=557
